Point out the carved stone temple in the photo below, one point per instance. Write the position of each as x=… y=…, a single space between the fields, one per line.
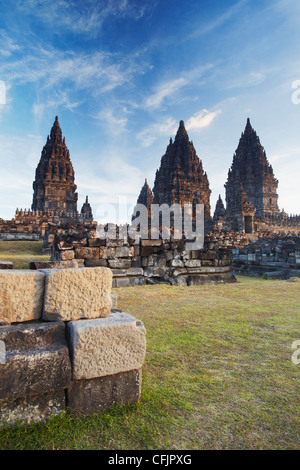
x=180 y=178
x=251 y=187
x=54 y=185
x=54 y=188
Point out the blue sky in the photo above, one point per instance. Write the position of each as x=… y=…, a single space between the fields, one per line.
x=121 y=74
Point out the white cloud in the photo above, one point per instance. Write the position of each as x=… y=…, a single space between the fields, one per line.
x=244 y=81
x=86 y=17
x=219 y=21
x=172 y=87
x=151 y=133
x=201 y=119
x=115 y=125
x=163 y=91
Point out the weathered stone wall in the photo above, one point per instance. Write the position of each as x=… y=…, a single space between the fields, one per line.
x=274 y=257
x=148 y=261
x=64 y=345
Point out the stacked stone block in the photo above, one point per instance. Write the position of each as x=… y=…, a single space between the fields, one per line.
x=63 y=346
x=146 y=261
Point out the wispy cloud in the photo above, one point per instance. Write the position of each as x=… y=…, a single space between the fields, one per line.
x=163 y=91
x=248 y=80
x=171 y=88
x=114 y=124
x=201 y=119
x=150 y=134
x=83 y=17
x=219 y=21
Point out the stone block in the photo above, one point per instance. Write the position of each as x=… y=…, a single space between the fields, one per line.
x=107 y=252
x=124 y=251
x=36 y=359
x=176 y=263
x=21 y=295
x=151 y=243
x=31 y=410
x=6 y=265
x=119 y=263
x=154 y=271
x=135 y=272
x=85 y=397
x=93 y=263
x=87 y=252
x=67 y=255
x=73 y=294
x=192 y=263
x=106 y=346
x=97 y=242
x=147 y=251
x=53 y=264
x=121 y=282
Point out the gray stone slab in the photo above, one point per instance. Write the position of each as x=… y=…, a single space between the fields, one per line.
x=106 y=346
x=36 y=359
x=85 y=397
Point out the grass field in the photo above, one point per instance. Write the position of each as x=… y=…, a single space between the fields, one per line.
x=218 y=374
x=21 y=253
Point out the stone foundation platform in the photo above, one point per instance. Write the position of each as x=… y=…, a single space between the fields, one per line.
x=52 y=360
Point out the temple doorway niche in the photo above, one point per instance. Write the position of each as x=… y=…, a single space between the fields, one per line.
x=248 y=224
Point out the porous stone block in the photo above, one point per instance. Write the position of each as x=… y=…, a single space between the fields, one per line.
x=85 y=397
x=35 y=359
x=21 y=295
x=67 y=255
x=32 y=410
x=106 y=346
x=73 y=294
x=87 y=252
x=107 y=252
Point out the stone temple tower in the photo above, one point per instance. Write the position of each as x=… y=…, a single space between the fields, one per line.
x=251 y=187
x=181 y=178
x=54 y=185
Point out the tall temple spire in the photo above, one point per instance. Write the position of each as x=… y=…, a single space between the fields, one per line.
x=251 y=170
x=180 y=178
x=54 y=186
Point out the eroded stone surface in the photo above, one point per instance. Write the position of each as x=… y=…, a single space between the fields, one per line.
x=32 y=409
x=106 y=346
x=36 y=359
x=21 y=295
x=74 y=294
x=85 y=397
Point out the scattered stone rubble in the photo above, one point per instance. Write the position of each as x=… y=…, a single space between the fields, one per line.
x=64 y=345
x=274 y=257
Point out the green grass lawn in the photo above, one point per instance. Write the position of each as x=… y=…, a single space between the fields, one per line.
x=21 y=253
x=217 y=375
